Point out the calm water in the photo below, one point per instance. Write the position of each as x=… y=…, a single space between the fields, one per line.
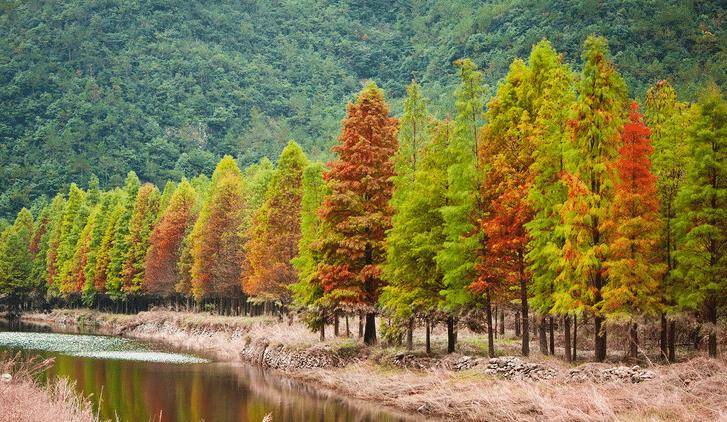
x=136 y=381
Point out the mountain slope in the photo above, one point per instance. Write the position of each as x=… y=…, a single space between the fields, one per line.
x=165 y=87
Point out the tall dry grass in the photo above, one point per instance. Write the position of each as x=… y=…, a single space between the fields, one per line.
x=690 y=391
x=23 y=399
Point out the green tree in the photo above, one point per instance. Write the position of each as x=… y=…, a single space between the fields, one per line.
x=16 y=259
x=120 y=239
x=701 y=258
x=413 y=134
x=667 y=117
x=597 y=119
x=461 y=213
x=143 y=217
x=551 y=94
x=74 y=220
x=307 y=291
x=415 y=280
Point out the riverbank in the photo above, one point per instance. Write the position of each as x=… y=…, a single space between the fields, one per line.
x=450 y=386
x=23 y=399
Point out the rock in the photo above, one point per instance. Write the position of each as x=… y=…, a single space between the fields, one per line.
x=7 y=377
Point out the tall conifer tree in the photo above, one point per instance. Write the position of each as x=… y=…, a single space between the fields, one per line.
x=275 y=231
x=216 y=249
x=666 y=117
x=356 y=212
x=701 y=258
x=633 y=268
x=597 y=119
x=463 y=208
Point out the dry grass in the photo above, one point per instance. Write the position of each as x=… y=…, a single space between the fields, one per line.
x=691 y=391
x=22 y=399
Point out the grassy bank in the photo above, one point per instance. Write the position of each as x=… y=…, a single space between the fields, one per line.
x=691 y=390
x=23 y=399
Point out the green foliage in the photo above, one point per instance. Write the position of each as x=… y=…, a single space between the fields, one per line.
x=16 y=259
x=702 y=201
x=598 y=115
x=417 y=236
x=552 y=95
x=143 y=217
x=306 y=292
x=165 y=89
x=119 y=238
x=73 y=222
x=458 y=256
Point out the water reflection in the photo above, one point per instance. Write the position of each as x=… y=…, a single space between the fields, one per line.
x=161 y=391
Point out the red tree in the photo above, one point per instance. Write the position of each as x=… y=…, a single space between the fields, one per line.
x=165 y=242
x=356 y=213
x=633 y=226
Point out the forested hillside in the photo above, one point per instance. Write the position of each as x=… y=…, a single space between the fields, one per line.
x=165 y=88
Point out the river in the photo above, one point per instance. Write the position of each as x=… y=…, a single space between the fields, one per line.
x=131 y=380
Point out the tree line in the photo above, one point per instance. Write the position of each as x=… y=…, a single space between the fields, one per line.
x=556 y=197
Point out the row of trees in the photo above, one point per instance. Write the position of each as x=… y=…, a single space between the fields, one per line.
x=561 y=199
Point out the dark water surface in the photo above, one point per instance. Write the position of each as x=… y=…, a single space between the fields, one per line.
x=136 y=381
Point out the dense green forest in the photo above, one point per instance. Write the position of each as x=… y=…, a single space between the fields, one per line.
x=166 y=88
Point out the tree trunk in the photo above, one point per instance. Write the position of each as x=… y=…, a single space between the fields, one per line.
x=633 y=340
x=490 y=336
x=599 y=338
x=360 y=324
x=517 y=323
x=502 y=322
x=524 y=311
x=663 y=338
x=348 y=330
x=711 y=315
x=451 y=334
x=575 y=338
x=335 y=323
x=496 y=313
x=551 y=329
x=542 y=336
x=370 y=329
x=427 y=339
x=323 y=325
x=672 y=341
x=566 y=338
x=410 y=334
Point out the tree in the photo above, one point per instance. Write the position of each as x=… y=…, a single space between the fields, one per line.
x=307 y=291
x=666 y=117
x=506 y=155
x=73 y=222
x=16 y=259
x=702 y=201
x=356 y=213
x=633 y=269
x=595 y=139
x=413 y=135
x=48 y=220
x=415 y=280
x=114 y=273
x=105 y=248
x=462 y=210
x=216 y=249
x=165 y=242
x=551 y=95
x=100 y=226
x=146 y=207
x=275 y=231
x=75 y=278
